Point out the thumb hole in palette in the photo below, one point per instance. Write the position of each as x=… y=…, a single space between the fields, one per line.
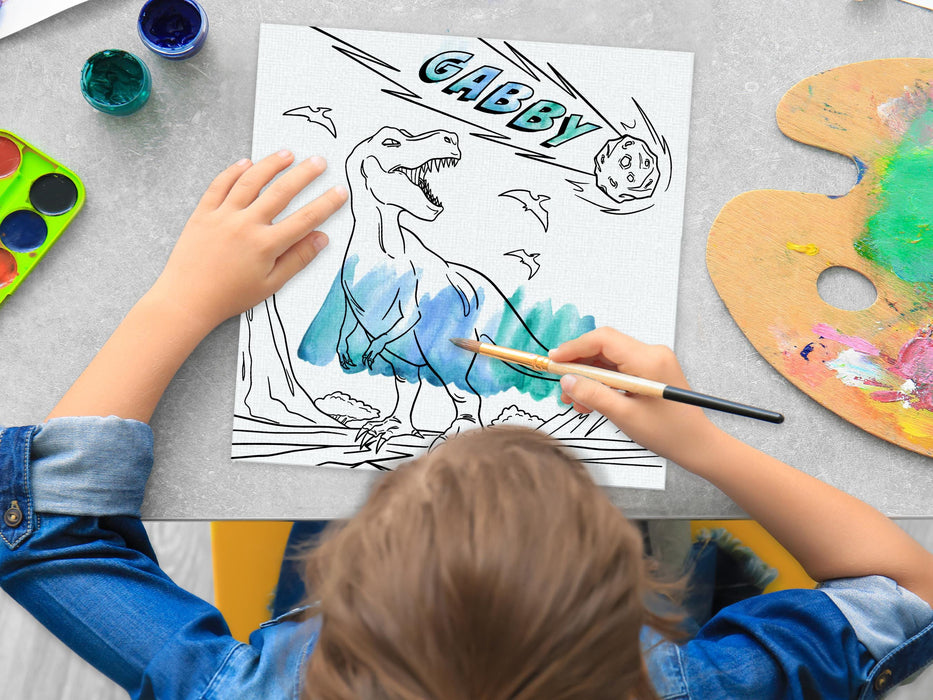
x=846 y=288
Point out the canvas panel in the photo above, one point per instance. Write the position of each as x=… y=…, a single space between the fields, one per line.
x=510 y=192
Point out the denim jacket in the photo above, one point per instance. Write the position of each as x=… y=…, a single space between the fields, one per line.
x=75 y=555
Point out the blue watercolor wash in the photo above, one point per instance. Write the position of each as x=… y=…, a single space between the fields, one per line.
x=173 y=29
x=448 y=314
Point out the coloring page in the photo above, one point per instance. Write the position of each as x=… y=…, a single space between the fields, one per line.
x=507 y=192
x=19 y=14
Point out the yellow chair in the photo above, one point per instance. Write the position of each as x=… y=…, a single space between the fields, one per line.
x=246 y=558
x=756 y=538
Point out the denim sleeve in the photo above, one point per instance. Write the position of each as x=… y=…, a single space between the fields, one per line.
x=90 y=466
x=75 y=556
x=883 y=614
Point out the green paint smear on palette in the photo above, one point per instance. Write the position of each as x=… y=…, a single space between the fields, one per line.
x=899 y=235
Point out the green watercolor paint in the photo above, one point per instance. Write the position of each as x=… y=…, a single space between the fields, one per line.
x=116 y=82
x=899 y=235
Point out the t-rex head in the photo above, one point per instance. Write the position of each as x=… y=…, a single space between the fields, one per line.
x=394 y=167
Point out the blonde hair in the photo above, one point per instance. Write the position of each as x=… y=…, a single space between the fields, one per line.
x=492 y=567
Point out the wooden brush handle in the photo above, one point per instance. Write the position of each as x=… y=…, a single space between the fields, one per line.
x=617 y=380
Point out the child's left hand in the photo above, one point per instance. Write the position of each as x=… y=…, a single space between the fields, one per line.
x=230 y=256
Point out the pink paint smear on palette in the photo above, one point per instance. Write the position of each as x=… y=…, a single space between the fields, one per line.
x=908 y=378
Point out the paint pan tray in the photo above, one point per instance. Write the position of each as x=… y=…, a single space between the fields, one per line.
x=38 y=199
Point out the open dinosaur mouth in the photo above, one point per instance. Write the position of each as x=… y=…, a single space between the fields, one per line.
x=418 y=176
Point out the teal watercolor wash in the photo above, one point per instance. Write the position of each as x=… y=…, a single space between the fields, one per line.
x=899 y=235
x=444 y=316
x=115 y=82
x=550 y=328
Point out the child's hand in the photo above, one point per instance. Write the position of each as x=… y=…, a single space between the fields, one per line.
x=671 y=429
x=230 y=256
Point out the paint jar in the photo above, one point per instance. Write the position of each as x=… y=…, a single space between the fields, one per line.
x=174 y=29
x=116 y=82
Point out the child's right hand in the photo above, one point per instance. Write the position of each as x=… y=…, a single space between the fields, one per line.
x=669 y=428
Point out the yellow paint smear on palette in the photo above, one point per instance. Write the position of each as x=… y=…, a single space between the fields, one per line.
x=806 y=249
x=874 y=366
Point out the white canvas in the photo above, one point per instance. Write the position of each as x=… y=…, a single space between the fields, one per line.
x=511 y=192
x=928 y=4
x=19 y=14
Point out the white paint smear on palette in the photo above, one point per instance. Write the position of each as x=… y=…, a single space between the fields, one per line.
x=19 y=14
x=513 y=192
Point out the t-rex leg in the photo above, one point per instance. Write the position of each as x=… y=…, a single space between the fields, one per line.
x=398 y=422
x=454 y=375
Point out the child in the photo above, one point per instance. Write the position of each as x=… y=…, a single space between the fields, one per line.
x=490 y=568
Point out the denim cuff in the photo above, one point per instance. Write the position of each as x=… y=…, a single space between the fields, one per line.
x=883 y=614
x=90 y=465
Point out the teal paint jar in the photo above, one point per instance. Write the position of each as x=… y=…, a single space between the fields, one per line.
x=115 y=82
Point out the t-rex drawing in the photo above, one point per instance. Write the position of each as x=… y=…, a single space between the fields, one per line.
x=398 y=301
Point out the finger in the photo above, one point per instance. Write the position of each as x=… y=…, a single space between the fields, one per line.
x=250 y=183
x=608 y=342
x=295 y=227
x=297 y=258
x=218 y=190
x=282 y=191
x=595 y=396
x=607 y=345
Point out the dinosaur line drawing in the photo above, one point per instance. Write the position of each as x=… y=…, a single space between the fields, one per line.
x=397 y=301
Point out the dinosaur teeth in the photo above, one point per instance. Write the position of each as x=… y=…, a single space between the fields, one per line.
x=429 y=195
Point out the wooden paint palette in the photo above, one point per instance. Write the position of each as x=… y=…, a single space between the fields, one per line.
x=767 y=248
x=38 y=199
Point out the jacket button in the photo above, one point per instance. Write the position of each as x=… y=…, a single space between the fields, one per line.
x=13 y=515
x=883 y=679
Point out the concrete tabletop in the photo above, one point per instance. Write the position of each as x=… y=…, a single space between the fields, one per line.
x=144 y=174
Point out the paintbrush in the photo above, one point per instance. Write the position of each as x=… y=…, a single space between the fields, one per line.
x=616 y=380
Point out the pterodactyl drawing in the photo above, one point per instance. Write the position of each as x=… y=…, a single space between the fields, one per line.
x=529 y=260
x=532 y=203
x=315 y=115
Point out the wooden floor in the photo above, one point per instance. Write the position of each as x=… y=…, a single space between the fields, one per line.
x=36 y=666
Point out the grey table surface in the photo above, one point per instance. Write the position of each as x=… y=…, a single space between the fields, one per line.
x=145 y=172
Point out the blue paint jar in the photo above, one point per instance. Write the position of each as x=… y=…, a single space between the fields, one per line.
x=174 y=29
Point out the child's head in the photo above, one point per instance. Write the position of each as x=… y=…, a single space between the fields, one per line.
x=492 y=567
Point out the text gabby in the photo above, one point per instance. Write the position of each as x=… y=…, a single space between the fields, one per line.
x=506 y=98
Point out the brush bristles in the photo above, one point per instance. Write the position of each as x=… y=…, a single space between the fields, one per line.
x=466 y=344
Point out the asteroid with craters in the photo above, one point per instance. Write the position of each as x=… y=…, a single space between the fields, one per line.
x=626 y=169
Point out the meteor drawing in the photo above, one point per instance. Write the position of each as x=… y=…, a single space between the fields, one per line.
x=529 y=260
x=315 y=115
x=532 y=203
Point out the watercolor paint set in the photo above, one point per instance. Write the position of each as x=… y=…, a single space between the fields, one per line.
x=38 y=199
